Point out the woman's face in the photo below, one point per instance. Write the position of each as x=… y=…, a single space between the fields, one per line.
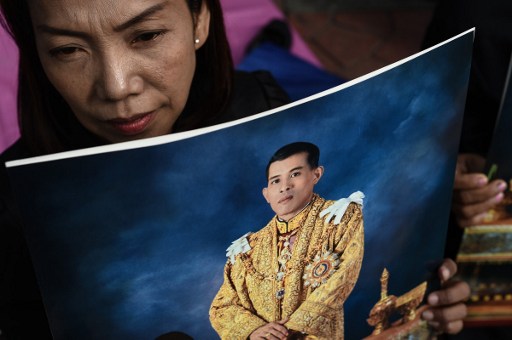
x=124 y=67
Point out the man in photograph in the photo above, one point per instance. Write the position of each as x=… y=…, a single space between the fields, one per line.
x=291 y=278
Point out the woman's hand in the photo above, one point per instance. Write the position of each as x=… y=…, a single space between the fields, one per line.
x=473 y=194
x=447 y=308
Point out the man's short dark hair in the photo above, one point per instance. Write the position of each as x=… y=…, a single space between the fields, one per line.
x=294 y=148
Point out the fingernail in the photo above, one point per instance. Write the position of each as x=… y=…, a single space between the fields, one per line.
x=482 y=180
x=445 y=273
x=499 y=197
x=502 y=186
x=433 y=299
x=427 y=315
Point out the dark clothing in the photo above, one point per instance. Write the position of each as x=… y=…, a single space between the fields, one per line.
x=22 y=313
x=491 y=56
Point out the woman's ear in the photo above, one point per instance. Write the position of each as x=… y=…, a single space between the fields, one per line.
x=202 y=25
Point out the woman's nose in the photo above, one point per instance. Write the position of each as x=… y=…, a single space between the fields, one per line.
x=118 y=78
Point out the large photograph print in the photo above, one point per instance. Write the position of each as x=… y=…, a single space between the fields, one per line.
x=129 y=241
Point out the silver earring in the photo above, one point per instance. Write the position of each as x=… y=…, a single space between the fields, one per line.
x=196 y=41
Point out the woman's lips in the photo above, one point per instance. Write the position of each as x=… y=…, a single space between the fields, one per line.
x=133 y=125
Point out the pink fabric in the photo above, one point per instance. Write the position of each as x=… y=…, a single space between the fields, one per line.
x=245 y=18
x=8 y=84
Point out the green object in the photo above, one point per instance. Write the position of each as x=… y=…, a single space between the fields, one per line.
x=492 y=171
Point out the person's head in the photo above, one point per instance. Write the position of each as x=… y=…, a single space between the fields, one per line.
x=292 y=173
x=122 y=70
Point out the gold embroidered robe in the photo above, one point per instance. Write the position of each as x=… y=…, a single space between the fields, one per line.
x=247 y=299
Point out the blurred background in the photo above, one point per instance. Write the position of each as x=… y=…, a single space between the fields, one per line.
x=353 y=37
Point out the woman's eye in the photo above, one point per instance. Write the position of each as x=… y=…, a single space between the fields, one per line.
x=149 y=36
x=64 y=51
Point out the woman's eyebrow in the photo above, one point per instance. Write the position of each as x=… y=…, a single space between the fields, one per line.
x=133 y=21
x=140 y=17
x=61 y=31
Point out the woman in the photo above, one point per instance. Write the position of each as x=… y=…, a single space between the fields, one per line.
x=96 y=72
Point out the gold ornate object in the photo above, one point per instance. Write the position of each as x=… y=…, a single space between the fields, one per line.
x=321 y=269
x=384 y=278
x=379 y=314
x=285 y=254
x=406 y=305
x=485 y=261
x=408 y=302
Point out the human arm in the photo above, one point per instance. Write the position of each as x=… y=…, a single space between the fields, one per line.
x=322 y=311
x=473 y=193
x=230 y=312
x=447 y=308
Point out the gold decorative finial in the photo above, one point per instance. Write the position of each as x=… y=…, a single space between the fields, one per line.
x=384 y=279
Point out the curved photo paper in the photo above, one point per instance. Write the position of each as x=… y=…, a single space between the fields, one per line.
x=178 y=235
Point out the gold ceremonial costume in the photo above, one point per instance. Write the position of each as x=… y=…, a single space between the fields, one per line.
x=317 y=278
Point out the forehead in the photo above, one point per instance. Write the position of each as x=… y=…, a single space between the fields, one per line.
x=286 y=165
x=85 y=14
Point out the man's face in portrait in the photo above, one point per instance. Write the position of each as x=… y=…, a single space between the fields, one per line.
x=290 y=185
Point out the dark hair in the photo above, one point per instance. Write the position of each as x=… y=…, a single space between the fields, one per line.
x=294 y=148
x=174 y=336
x=47 y=123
